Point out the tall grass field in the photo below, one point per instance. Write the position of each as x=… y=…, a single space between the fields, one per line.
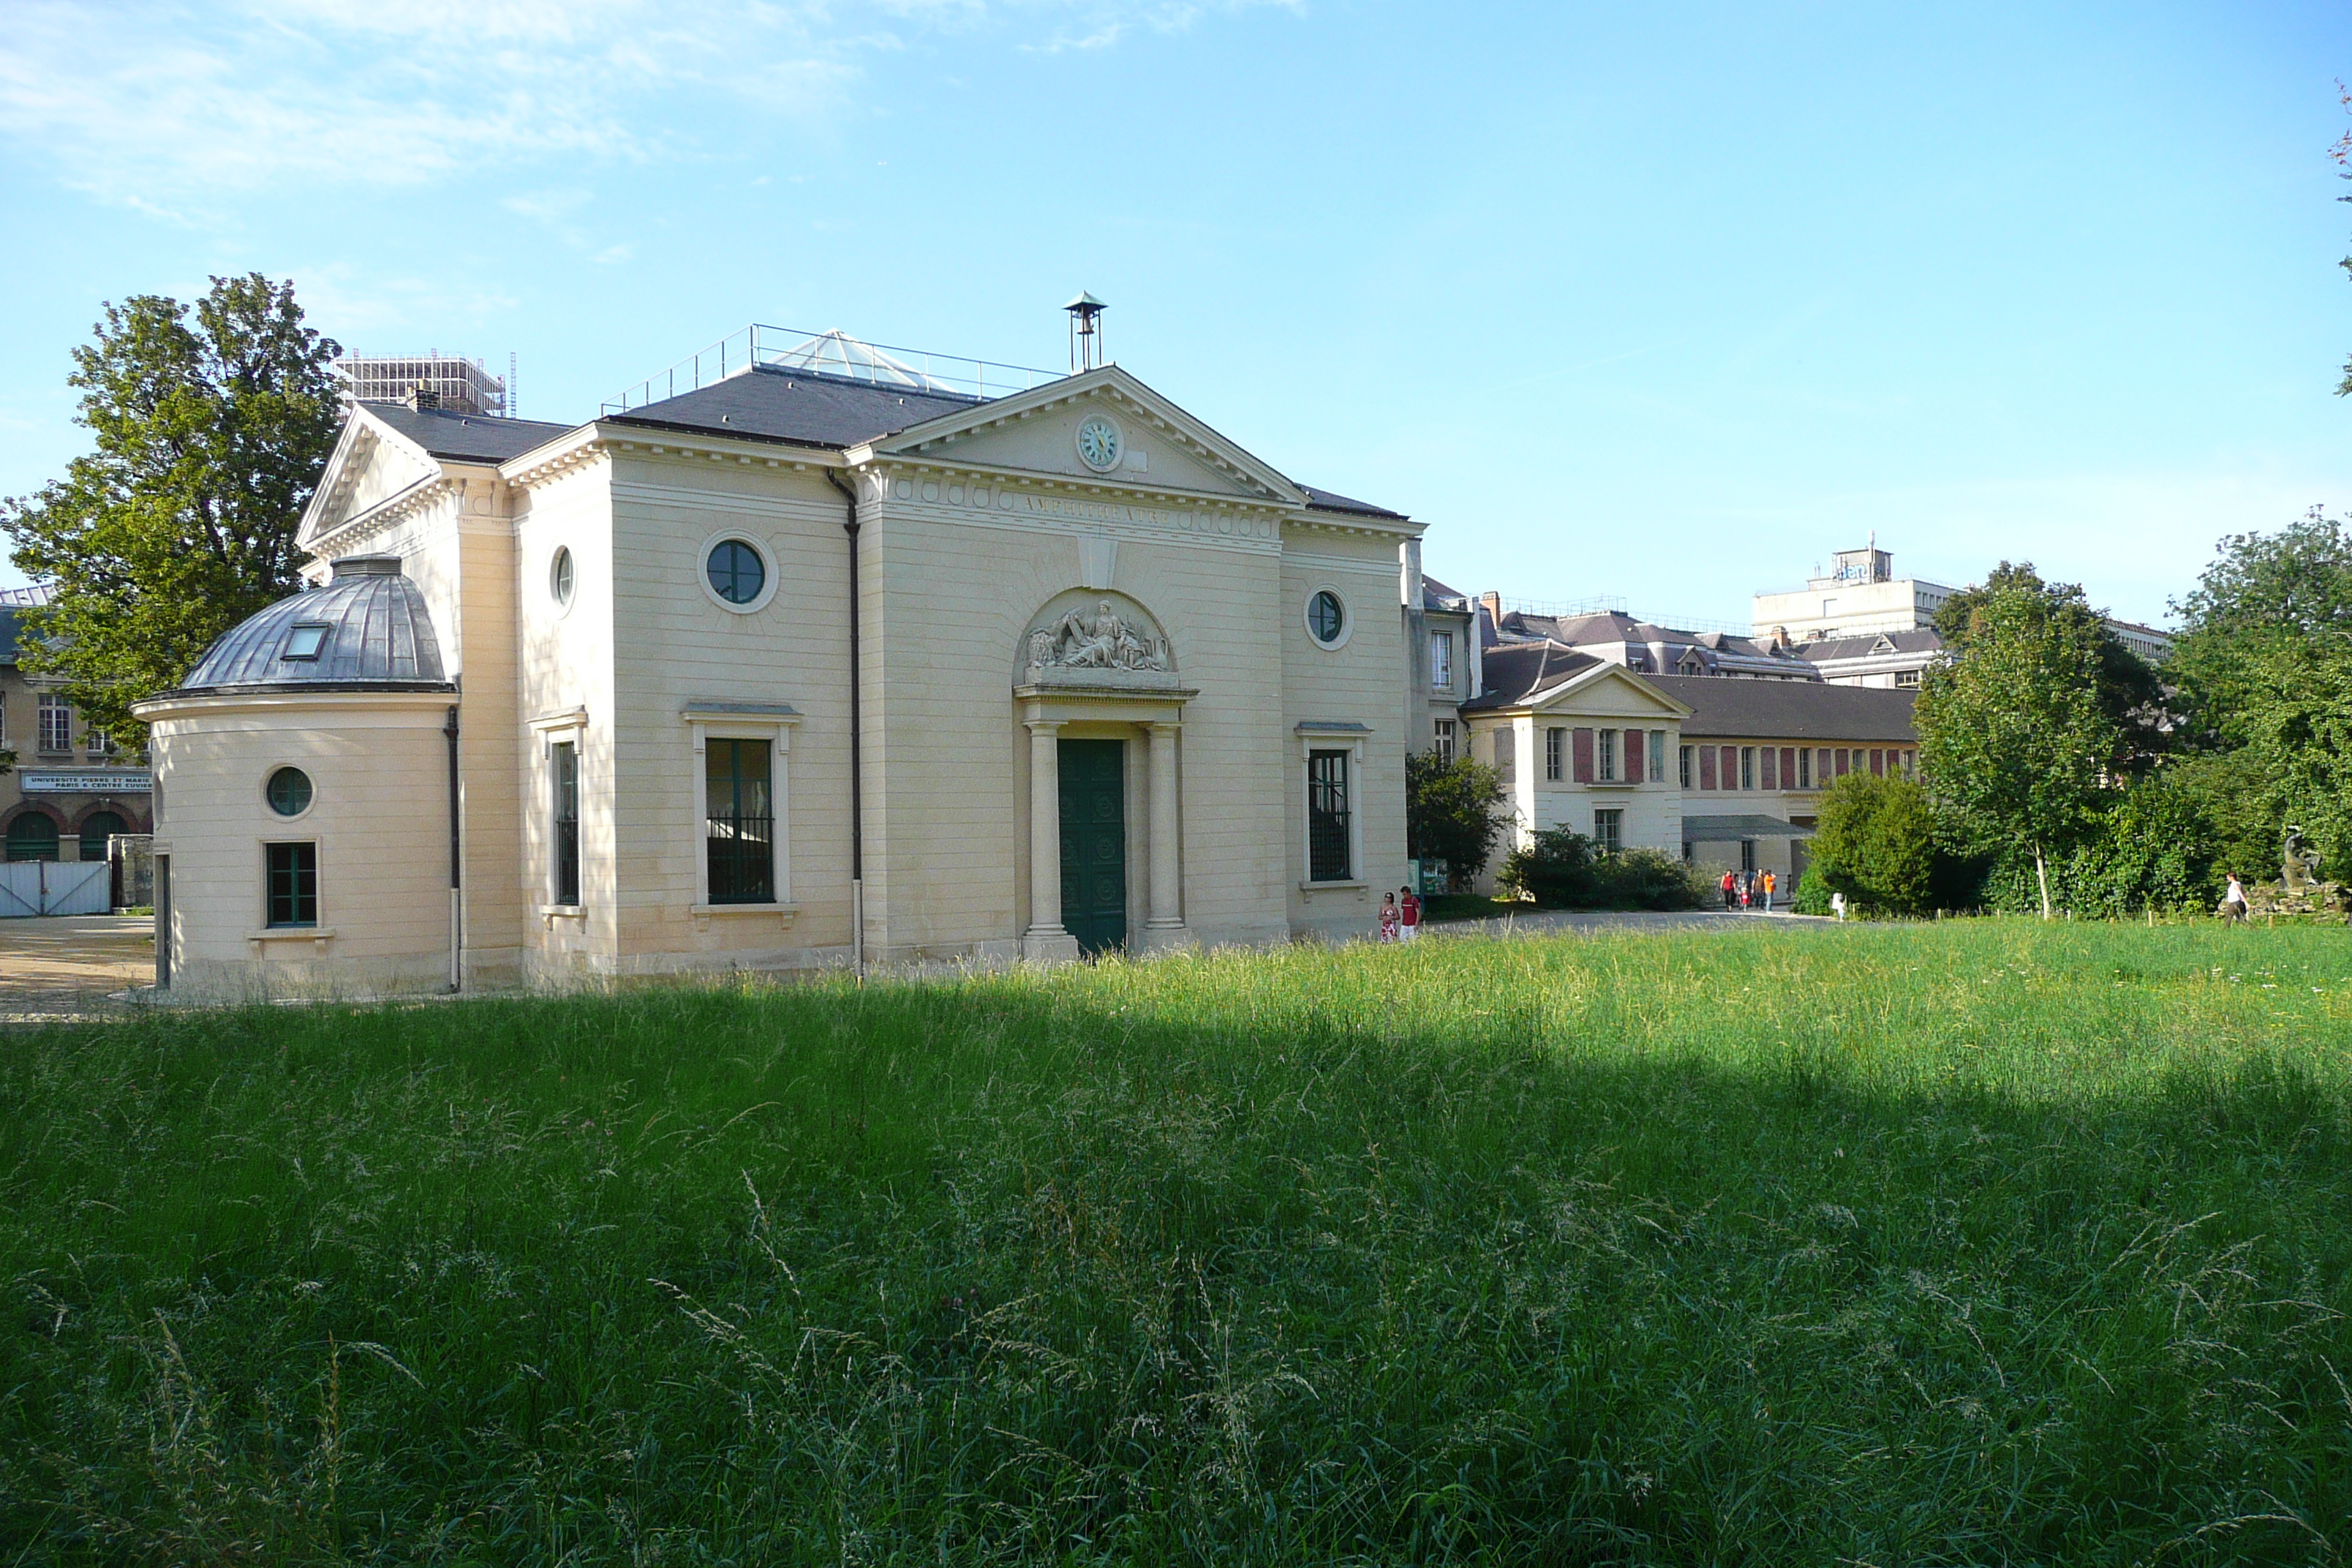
x=1974 y=1243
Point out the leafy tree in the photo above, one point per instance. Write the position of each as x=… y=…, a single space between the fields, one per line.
x=2017 y=734
x=210 y=434
x=2264 y=667
x=1875 y=843
x=2129 y=691
x=1453 y=812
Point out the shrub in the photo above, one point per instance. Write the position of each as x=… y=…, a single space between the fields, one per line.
x=1812 y=892
x=1877 y=844
x=1562 y=870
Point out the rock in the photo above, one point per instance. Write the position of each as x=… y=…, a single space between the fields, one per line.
x=2331 y=899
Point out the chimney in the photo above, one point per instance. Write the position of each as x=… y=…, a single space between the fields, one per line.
x=421 y=396
x=1494 y=603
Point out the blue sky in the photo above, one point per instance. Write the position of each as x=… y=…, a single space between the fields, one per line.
x=1666 y=303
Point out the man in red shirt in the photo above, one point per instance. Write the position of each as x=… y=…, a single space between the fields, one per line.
x=1409 y=906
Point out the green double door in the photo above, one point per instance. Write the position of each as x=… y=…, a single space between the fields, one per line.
x=1094 y=844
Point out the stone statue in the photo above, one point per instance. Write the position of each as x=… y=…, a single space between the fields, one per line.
x=1100 y=640
x=2301 y=868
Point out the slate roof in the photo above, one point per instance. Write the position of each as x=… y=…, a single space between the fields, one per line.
x=769 y=402
x=1728 y=708
x=1920 y=639
x=1324 y=501
x=380 y=637
x=807 y=408
x=1436 y=595
x=466 y=437
x=1519 y=672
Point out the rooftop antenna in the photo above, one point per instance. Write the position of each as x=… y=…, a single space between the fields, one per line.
x=513 y=405
x=1086 y=332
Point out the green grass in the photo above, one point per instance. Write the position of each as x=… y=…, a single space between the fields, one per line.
x=1970 y=1243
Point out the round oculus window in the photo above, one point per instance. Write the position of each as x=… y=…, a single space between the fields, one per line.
x=289 y=792
x=1326 y=618
x=559 y=576
x=1098 y=444
x=736 y=572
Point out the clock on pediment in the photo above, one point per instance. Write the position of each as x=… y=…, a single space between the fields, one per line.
x=1099 y=444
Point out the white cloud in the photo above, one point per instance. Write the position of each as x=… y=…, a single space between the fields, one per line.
x=173 y=108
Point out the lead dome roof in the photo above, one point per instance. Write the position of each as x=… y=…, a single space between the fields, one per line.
x=379 y=638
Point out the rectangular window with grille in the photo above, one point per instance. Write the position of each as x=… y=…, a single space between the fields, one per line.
x=1747 y=767
x=1445 y=742
x=1805 y=767
x=1608 y=754
x=1555 y=741
x=1441 y=661
x=293 y=884
x=1328 y=858
x=1686 y=767
x=1608 y=831
x=1657 y=756
x=563 y=770
x=56 y=724
x=740 y=824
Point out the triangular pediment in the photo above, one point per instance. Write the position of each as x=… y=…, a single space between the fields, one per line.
x=1611 y=691
x=1153 y=444
x=371 y=463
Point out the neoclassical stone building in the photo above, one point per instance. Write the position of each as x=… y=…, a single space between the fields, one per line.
x=795 y=670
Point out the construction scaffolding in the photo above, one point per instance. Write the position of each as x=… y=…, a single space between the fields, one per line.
x=460 y=386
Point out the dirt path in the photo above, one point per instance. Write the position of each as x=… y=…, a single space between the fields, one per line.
x=61 y=966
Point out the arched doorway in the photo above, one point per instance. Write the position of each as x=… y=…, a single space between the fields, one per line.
x=95 y=829
x=32 y=837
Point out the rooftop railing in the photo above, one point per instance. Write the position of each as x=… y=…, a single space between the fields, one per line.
x=831 y=354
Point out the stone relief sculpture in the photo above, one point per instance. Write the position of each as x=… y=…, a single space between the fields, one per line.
x=1101 y=639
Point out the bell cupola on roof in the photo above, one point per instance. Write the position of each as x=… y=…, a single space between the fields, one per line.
x=1086 y=332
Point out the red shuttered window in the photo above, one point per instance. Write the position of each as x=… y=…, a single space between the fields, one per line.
x=1707 y=767
x=1770 y=760
x=1635 y=745
x=1583 y=742
x=1788 y=767
x=1877 y=763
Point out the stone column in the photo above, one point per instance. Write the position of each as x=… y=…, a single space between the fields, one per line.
x=1045 y=939
x=1165 y=925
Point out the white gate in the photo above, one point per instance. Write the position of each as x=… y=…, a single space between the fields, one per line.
x=55 y=888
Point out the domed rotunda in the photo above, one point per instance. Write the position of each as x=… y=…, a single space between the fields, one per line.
x=305 y=796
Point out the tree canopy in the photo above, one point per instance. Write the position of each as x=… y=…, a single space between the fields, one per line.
x=210 y=428
x=2264 y=667
x=1452 y=811
x=2020 y=729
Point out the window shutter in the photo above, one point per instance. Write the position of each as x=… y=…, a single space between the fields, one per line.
x=1583 y=756
x=1729 y=773
x=1877 y=763
x=1770 y=759
x=1788 y=767
x=1707 y=767
x=1632 y=770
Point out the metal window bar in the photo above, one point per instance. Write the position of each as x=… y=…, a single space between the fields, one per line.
x=742 y=851
x=1327 y=818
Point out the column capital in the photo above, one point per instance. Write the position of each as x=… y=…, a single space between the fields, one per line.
x=1043 y=726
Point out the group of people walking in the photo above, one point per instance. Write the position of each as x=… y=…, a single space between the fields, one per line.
x=1750 y=890
x=1399 y=915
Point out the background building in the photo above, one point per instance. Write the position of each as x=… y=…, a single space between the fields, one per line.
x=71 y=788
x=449 y=381
x=1863 y=625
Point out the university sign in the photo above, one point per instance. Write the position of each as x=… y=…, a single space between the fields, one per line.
x=95 y=781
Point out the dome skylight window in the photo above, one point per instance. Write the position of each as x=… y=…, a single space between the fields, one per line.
x=307 y=641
